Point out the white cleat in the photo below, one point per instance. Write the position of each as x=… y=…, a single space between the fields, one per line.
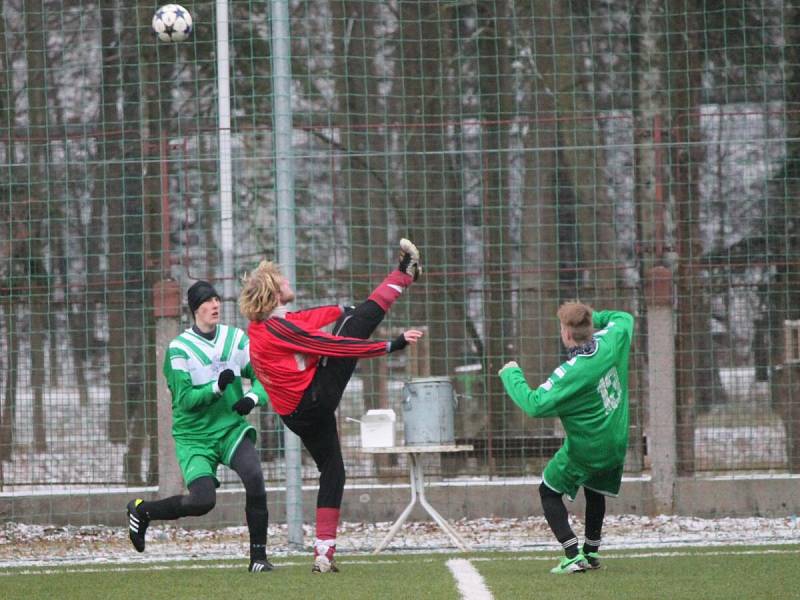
x=409 y=259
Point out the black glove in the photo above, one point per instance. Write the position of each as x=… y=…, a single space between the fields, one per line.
x=398 y=344
x=244 y=405
x=225 y=378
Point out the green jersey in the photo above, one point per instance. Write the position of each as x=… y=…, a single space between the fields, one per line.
x=192 y=365
x=589 y=393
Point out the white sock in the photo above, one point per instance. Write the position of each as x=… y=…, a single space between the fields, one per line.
x=323 y=545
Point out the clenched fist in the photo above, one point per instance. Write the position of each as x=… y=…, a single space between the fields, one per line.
x=512 y=364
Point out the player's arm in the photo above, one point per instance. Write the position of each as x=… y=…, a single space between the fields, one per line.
x=257 y=391
x=544 y=401
x=184 y=394
x=256 y=394
x=316 y=318
x=289 y=336
x=616 y=323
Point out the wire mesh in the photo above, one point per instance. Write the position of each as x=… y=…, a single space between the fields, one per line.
x=535 y=151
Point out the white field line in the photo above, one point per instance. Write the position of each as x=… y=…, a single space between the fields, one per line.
x=13 y=568
x=470 y=583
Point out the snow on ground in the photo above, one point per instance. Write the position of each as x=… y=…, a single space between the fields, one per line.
x=29 y=545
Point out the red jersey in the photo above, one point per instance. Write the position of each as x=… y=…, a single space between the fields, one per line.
x=285 y=352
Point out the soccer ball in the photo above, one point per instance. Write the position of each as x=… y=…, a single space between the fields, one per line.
x=172 y=23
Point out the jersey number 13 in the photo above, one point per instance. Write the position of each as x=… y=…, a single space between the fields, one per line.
x=610 y=389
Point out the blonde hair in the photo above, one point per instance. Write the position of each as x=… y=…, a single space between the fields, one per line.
x=576 y=317
x=260 y=291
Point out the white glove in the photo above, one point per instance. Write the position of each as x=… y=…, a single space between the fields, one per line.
x=512 y=364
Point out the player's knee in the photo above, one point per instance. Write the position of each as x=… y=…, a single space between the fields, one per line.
x=547 y=492
x=253 y=483
x=334 y=472
x=200 y=502
x=201 y=507
x=338 y=473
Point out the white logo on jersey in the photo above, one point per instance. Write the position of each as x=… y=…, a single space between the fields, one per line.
x=610 y=388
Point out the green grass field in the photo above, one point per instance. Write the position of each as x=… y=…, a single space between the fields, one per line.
x=729 y=573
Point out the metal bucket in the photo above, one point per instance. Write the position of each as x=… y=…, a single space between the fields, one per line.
x=428 y=411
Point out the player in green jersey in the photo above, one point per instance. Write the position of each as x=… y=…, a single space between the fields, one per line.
x=204 y=367
x=589 y=394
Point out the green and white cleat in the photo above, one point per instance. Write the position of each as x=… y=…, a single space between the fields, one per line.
x=570 y=565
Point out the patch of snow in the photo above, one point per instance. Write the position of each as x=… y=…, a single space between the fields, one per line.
x=37 y=545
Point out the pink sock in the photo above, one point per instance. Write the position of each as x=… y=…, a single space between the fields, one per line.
x=390 y=289
x=327 y=523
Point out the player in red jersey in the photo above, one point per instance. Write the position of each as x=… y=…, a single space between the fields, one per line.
x=305 y=370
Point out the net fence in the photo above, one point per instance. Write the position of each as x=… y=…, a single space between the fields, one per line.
x=535 y=151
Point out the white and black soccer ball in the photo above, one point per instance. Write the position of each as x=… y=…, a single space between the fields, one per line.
x=172 y=23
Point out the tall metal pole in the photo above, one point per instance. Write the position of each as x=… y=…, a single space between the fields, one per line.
x=225 y=171
x=284 y=191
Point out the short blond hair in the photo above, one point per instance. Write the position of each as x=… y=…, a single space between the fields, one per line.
x=260 y=291
x=576 y=317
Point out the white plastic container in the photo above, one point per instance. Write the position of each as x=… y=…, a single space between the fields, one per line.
x=377 y=428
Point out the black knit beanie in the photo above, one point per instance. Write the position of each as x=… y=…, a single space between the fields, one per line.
x=199 y=293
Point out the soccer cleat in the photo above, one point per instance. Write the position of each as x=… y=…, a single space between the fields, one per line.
x=409 y=259
x=325 y=563
x=137 y=524
x=260 y=566
x=570 y=565
x=592 y=559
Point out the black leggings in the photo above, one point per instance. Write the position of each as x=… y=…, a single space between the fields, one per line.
x=314 y=419
x=556 y=514
x=202 y=496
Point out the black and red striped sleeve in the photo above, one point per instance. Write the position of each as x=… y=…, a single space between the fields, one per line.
x=290 y=336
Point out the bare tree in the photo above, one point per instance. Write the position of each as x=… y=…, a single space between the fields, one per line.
x=363 y=182
x=539 y=278
x=7 y=115
x=784 y=247
x=425 y=176
x=34 y=213
x=496 y=105
x=695 y=374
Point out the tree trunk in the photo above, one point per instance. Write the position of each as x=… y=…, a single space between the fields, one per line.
x=158 y=265
x=140 y=407
x=9 y=413
x=7 y=114
x=696 y=374
x=496 y=98
x=651 y=117
x=784 y=248
x=433 y=204
x=540 y=346
x=38 y=152
x=109 y=192
x=361 y=184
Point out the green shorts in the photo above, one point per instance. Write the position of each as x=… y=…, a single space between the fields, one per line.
x=565 y=476
x=201 y=458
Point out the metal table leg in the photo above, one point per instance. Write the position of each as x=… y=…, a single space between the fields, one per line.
x=440 y=520
x=404 y=515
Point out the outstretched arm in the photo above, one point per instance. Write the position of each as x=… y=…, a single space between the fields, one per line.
x=543 y=401
x=290 y=336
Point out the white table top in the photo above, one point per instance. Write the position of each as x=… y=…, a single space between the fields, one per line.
x=418 y=449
